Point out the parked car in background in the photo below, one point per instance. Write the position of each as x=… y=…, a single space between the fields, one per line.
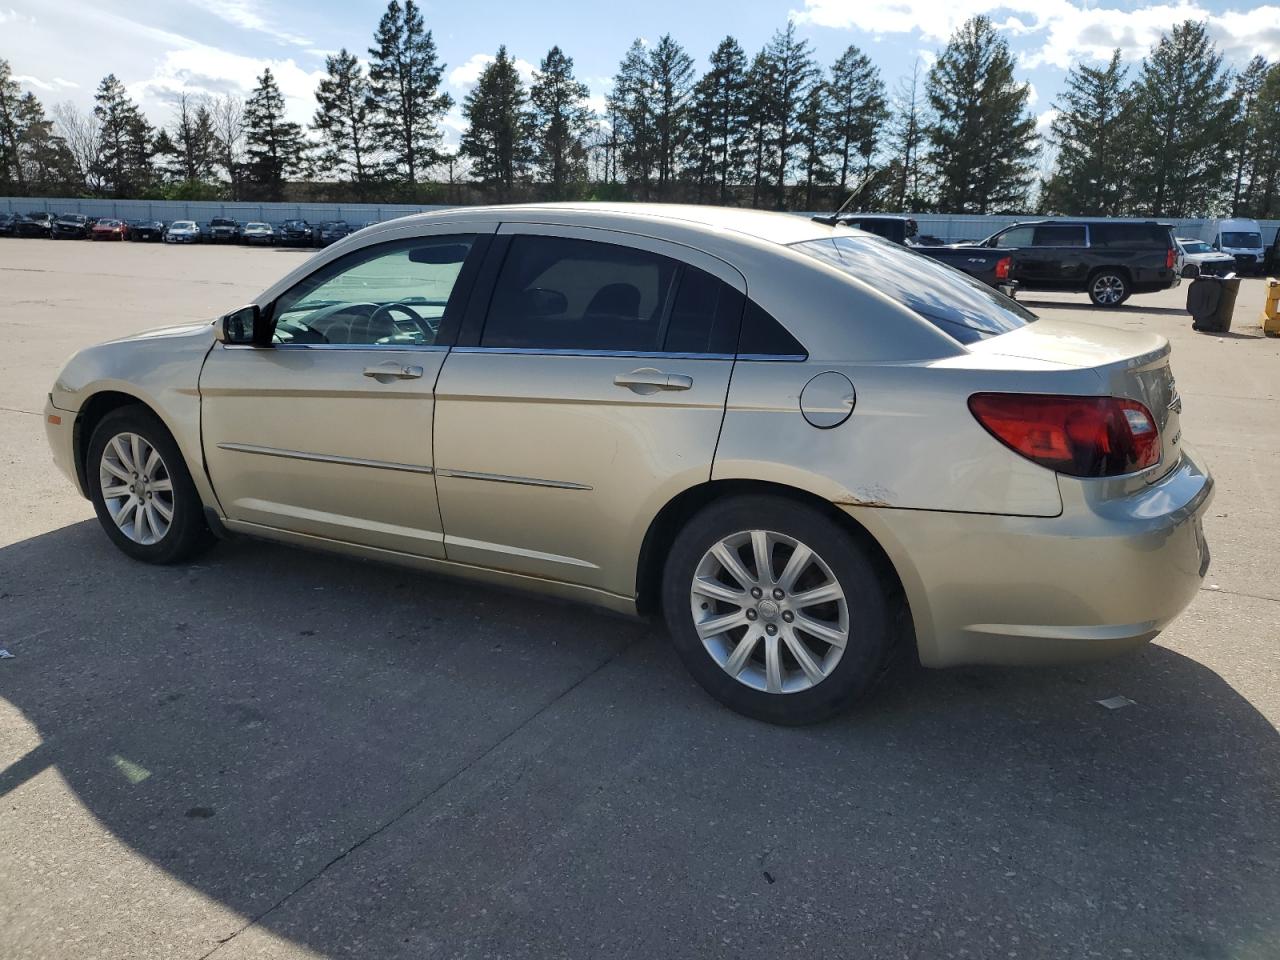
x=1108 y=260
x=721 y=416
x=110 y=229
x=295 y=232
x=1239 y=238
x=32 y=225
x=6 y=224
x=222 y=230
x=331 y=231
x=182 y=231
x=146 y=230
x=258 y=233
x=1272 y=265
x=1207 y=261
x=70 y=226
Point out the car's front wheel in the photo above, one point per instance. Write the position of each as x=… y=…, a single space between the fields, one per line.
x=777 y=612
x=1109 y=288
x=141 y=489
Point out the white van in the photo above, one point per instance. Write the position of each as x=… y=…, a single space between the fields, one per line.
x=1239 y=237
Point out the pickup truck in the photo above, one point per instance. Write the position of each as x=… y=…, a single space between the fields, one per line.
x=992 y=267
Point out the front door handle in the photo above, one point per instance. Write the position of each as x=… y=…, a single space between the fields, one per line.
x=386 y=372
x=647 y=380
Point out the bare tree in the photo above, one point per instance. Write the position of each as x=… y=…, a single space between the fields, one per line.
x=228 y=131
x=80 y=132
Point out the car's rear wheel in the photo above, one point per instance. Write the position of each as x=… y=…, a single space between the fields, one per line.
x=777 y=612
x=141 y=489
x=1109 y=288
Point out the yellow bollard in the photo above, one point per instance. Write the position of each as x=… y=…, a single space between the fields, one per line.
x=1271 y=309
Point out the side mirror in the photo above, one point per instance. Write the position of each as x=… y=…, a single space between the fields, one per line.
x=241 y=326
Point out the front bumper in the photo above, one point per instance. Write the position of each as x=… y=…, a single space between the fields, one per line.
x=59 y=428
x=1105 y=576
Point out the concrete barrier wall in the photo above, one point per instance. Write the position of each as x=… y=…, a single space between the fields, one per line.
x=947 y=227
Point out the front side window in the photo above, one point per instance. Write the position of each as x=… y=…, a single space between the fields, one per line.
x=391 y=295
x=562 y=294
x=955 y=303
x=1016 y=237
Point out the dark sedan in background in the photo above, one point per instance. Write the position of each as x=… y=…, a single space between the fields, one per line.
x=146 y=230
x=32 y=224
x=331 y=231
x=70 y=226
x=297 y=232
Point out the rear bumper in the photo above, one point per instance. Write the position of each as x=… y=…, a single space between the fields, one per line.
x=1105 y=576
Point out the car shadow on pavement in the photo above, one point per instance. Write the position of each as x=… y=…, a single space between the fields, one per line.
x=371 y=762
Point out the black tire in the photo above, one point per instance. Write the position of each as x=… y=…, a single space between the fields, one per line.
x=868 y=601
x=1109 y=287
x=188 y=534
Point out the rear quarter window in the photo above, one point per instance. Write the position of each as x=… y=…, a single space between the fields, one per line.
x=954 y=302
x=1140 y=235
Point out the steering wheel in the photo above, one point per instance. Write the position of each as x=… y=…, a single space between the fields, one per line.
x=418 y=320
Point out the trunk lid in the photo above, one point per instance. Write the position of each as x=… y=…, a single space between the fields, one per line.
x=1128 y=363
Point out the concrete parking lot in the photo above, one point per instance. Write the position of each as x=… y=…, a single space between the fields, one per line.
x=276 y=753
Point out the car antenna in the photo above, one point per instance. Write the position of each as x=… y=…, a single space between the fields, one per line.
x=831 y=219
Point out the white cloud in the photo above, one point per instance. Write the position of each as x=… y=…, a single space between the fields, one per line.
x=1033 y=95
x=1045 y=120
x=13 y=16
x=1062 y=32
x=245 y=14
x=209 y=70
x=465 y=76
x=53 y=85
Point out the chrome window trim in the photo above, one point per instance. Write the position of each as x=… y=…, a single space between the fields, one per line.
x=323 y=458
x=504 y=478
x=574 y=352
x=420 y=347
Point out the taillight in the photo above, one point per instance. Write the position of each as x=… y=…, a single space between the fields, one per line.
x=1080 y=436
x=1170 y=258
x=1003 y=266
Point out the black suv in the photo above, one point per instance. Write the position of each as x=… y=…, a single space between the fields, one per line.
x=1109 y=260
x=222 y=230
x=70 y=226
x=295 y=231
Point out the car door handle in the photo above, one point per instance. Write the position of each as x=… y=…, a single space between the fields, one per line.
x=386 y=372
x=648 y=380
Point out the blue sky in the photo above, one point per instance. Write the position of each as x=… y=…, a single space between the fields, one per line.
x=60 y=49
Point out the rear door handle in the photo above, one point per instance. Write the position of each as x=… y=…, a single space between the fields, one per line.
x=386 y=372
x=648 y=380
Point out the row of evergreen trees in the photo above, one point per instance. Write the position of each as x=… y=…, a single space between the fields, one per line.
x=1184 y=136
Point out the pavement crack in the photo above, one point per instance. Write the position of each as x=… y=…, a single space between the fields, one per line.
x=417 y=804
x=33 y=413
x=1239 y=593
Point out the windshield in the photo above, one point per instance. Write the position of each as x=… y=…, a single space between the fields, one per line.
x=222 y=223
x=182 y=225
x=1247 y=240
x=256 y=226
x=1195 y=246
x=955 y=303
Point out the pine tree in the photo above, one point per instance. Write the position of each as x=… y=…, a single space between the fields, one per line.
x=126 y=138
x=760 y=82
x=44 y=163
x=791 y=74
x=1265 y=198
x=562 y=120
x=1247 y=146
x=1093 y=132
x=275 y=145
x=404 y=81
x=907 y=140
x=671 y=78
x=11 y=123
x=858 y=112
x=343 y=119
x=194 y=146
x=817 y=144
x=631 y=103
x=1183 y=119
x=498 y=139
x=720 y=124
x=982 y=139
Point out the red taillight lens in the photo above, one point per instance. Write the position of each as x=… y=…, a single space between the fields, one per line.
x=1003 y=266
x=1171 y=258
x=1080 y=436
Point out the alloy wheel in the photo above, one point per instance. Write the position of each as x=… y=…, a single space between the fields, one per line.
x=1108 y=289
x=136 y=488
x=769 y=611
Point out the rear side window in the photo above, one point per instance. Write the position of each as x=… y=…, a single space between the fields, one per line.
x=1058 y=235
x=558 y=293
x=1150 y=236
x=955 y=303
x=763 y=336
